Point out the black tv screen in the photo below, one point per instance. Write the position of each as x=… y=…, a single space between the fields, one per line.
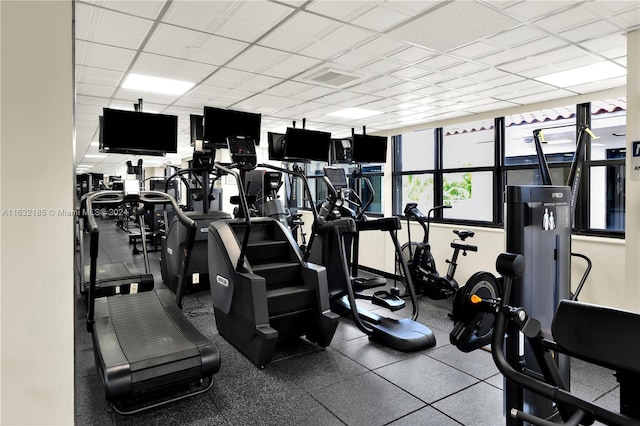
x=197 y=132
x=141 y=133
x=369 y=149
x=219 y=124
x=341 y=151
x=276 y=145
x=307 y=144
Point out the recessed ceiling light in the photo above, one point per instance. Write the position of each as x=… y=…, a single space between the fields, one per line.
x=355 y=113
x=585 y=74
x=146 y=83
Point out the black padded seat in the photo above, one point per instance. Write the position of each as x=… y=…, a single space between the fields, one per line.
x=144 y=342
x=598 y=334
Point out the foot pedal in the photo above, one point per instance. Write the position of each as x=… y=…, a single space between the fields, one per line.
x=387 y=300
x=360 y=283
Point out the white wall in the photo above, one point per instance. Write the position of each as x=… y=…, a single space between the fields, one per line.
x=36 y=252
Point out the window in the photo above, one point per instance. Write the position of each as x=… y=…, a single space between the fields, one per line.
x=413 y=170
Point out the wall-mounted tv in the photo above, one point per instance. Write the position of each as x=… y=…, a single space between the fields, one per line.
x=219 y=124
x=276 y=143
x=307 y=144
x=369 y=149
x=138 y=133
x=197 y=128
x=341 y=151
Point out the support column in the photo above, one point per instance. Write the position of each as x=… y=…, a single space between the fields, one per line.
x=632 y=206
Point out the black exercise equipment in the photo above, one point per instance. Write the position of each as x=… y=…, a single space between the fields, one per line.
x=142 y=342
x=263 y=290
x=117 y=277
x=336 y=234
x=596 y=334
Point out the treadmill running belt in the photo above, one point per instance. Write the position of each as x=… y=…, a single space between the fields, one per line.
x=145 y=332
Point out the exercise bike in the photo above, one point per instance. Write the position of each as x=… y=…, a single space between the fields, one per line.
x=422 y=265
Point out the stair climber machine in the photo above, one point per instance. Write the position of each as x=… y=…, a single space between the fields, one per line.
x=173 y=244
x=263 y=290
x=538 y=227
x=336 y=248
x=147 y=353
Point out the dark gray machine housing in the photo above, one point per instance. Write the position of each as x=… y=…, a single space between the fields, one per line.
x=173 y=246
x=273 y=294
x=538 y=226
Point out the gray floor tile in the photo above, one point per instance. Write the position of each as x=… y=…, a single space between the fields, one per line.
x=497 y=381
x=478 y=405
x=426 y=378
x=367 y=399
x=425 y=416
x=371 y=354
x=592 y=375
x=316 y=370
x=478 y=363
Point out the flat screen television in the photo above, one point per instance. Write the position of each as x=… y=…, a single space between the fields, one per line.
x=220 y=123
x=197 y=132
x=341 y=151
x=307 y=144
x=369 y=149
x=276 y=143
x=138 y=133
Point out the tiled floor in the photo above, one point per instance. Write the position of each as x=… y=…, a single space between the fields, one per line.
x=354 y=381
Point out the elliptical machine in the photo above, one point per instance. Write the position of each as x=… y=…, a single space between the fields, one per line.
x=338 y=240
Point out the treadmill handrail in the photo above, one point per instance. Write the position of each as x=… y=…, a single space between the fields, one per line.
x=245 y=209
x=316 y=219
x=114 y=197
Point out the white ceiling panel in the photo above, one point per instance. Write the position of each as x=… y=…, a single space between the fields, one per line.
x=381 y=67
x=572 y=18
x=409 y=73
x=199 y=15
x=313 y=93
x=259 y=83
x=413 y=55
x=111 y=28
x=630 y=18
x=291 y=66
x=101 y=56
x=258 y=59
x=531 y=10
x=309 y=26
x=145 y=9
x=354 y=59
x=345 y=11
x=382 y=46
x=474 y=50
x=435 y=30
x=381 y=18
x=98 y=76
x=545 y=44
x=284 y=41
x=104 y=92
x=174 y=68
x=520 y=35
x=157 y=100
x=593 y=30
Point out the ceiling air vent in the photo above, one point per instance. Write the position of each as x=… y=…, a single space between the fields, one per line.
x=333 y=78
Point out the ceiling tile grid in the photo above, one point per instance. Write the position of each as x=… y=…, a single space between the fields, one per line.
x=412 y=61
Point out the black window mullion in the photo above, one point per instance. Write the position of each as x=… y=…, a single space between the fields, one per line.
x=498 y=174
x=581 y=219
x=437 y=175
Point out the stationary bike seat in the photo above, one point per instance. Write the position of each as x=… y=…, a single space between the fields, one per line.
x=464 y=234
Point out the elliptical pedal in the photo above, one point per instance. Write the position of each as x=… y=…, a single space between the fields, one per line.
x=387 y=300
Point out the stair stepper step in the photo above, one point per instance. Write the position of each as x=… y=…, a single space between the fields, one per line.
x=289 y=299
x=279 y=273
x=268 y=251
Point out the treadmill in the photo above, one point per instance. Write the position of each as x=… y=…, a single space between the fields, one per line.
x=145 y=349
x=117 y=277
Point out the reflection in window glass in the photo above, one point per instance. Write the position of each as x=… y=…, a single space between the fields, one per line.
x=468 y=145
x=607 y=198
x=417 y=150
x=558 y=129
x=418 y=188
x=609 y=124
x=469 y=194
x=559 y=176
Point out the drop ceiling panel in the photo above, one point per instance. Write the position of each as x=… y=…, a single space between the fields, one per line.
x=144 y=9
x=149 y=98
x=593 y=30
x=474 y=50
x=572 y=18
x=309 y=26
x=354 y=59
x=381 y=18
x=520 y=35
x=194 y=45
x=259 y=83
x=235 y=29
x=631 y=18
x=111 y=28
x=435 y=30
x=529 y=10
x=98 y=76
x=345 y=11
x=101 y=56
x=382 y=46
x=412 y=55
x=94 y=90
x=545 y=44
x=174 y=68
x=284 y=41
x=199 y=15
x=381 y=67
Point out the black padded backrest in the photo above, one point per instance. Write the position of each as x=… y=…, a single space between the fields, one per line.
x=598 y=334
